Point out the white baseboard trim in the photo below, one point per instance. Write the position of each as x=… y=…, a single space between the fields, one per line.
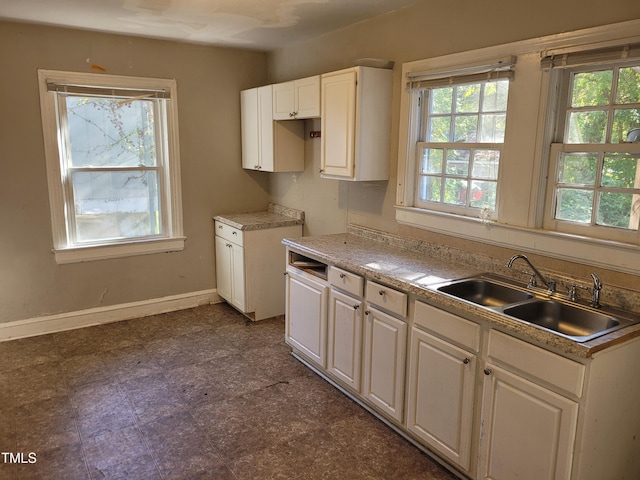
x=95 y=316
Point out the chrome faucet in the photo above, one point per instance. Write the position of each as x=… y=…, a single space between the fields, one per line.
x=595 y=293
x=551 y=284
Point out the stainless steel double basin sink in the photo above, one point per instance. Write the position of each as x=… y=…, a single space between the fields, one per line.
x=569 y=319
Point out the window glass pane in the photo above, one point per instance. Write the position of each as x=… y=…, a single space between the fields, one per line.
x=432 y=159
x=483 y=194
x=110 y=132
x=587 y=127
x=617 y=210
x=110 y=205
x=485 y=164
x=624 y=120
x=429 y=189
x=441 y=100
x=492 y=128
x=467 y=98
x=439 y=129
x=574 y=205
x=628 y=85
x=495 y=96
x=455 y=191
x=458 y=162
x=465 y=128
x=620 y=171
x=591 y=88
x=577 y=168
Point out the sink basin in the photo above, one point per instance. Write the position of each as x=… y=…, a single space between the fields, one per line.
x=485 y=292
x=568 y=320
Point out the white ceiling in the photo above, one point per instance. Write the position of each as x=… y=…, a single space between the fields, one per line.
x=256 y=24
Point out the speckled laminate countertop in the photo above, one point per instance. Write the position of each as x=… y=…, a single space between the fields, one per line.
x=275 y=216
x=412 y=266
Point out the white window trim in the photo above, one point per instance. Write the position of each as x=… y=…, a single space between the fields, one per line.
x=66 y=253
x=521 y=229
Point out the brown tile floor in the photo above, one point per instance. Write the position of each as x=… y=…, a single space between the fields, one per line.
x=196 y=394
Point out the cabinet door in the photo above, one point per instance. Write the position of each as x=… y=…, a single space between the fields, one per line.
x=307 y=97
x=249 y=128
x=384 y=359
x=441 y=396
x=306 y=317
x=224 y=268
x=527 y=431
x=284 y=105
x=338 y=124
x=265 y=131
x=345 y=338
x=230 y=272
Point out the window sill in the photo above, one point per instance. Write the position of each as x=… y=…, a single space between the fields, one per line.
x=104 y=252
x=573 y=248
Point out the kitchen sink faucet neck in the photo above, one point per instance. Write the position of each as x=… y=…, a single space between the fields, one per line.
x=595 y=293
x=551 y=284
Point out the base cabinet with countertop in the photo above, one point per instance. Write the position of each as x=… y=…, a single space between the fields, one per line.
x=249 y=259
x=487 y=402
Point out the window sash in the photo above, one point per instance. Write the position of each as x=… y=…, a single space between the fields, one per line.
x=67 y=170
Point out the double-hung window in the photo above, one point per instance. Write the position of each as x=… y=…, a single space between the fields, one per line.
x=113 y=166
x=594 y=177
x=462 y=129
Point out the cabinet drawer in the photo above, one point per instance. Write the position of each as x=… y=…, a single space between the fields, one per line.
x=451 y=327
x=386 y=298
x=347 y=281
x=229 y=233
x=542 y=364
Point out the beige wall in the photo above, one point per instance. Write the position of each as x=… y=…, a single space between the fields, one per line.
x=428 y=29
x=209 y=81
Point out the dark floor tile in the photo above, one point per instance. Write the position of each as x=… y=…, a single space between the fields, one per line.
x=180 y=447
x=38 y=382
x=83 y=369
x=151 y=397
x=130 y=362
x=171 y=324
x=66 y=461
x=92 y=340
x=120 y=455
x=45 y=425
x=101 y=408
x=25 y=352
x=275 y=362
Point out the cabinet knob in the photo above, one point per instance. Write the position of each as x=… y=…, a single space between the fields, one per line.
x=381 y=293
x=466 y=361
x=321 y=170
x=488 y=371
x=285 y=273
x=342 y=275
x=355 y=307
x=367 y=312
x=229 y=245
x=220 y=227
x=234 y=233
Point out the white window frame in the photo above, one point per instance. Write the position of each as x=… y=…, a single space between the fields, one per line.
x=562 y=77
x=64 y=248
x=518 y=223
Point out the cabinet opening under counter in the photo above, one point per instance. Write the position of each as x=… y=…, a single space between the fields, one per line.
x=308 y=265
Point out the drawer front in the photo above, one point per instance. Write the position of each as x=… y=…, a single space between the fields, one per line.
x=347 y=281
x=542 y=364
x=386 y=298
x=229 y=233
x=451 y=327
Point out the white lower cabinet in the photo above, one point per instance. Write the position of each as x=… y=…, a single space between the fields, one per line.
x=345 y=338
x=441 y=396
x=527 y=431
x=230 y=271
x=384 y=362
x=306 y=316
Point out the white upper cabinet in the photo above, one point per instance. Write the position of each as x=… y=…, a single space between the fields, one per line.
x=297 y=99
x=356 y=122
x=268 y=145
